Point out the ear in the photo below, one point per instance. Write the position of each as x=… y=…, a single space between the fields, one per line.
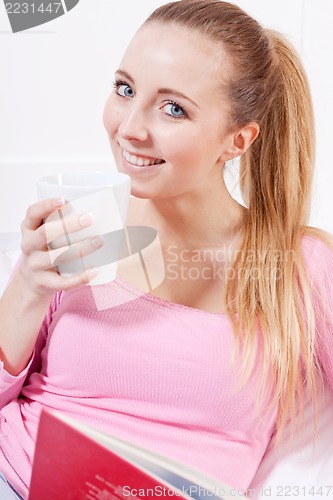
x=241 y=140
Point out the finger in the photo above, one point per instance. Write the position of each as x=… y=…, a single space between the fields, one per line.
x=53 y=232
x=40 y=261
x=39 y=211
x=33 y=241
x=82 y=279
x=54 y=281
x=59 y=227
x=75 y=252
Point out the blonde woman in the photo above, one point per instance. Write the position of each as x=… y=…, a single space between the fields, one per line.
x=211 y=364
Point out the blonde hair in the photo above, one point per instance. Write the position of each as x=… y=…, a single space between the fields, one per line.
x=267 y=85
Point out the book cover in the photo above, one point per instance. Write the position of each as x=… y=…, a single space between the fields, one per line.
x=75 y=461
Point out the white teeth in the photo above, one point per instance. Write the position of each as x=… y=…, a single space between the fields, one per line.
x=133 y=159
x=139 y=161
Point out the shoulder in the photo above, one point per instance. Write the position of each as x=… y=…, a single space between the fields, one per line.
x=316 y=242
x=317 y=251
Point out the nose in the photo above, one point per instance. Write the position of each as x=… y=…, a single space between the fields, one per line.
x=134 y=125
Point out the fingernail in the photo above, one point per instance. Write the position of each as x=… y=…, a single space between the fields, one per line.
x=97 y=242
x=85 y=220
x=92 y=273
x=59 y=202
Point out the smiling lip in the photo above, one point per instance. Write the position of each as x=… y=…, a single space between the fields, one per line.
x=140 y=161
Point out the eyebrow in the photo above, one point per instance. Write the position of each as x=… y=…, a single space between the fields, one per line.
x=163 y=90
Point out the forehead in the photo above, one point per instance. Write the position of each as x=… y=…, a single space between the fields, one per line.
x=174 y=54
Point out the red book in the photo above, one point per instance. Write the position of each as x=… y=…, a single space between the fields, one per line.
x=75 y=461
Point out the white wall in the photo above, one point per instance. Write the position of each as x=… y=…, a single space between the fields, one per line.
x=55 y=79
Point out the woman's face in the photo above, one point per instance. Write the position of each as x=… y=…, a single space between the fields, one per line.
x=166 y=118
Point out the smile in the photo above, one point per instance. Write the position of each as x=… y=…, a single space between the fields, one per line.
x=140 y=161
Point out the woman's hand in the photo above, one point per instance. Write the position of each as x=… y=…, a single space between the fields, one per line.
x=26 y=299
x=37 y=268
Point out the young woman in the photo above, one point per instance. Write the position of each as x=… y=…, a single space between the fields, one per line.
x=212 y=363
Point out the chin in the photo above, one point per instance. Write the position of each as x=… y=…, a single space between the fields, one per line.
x=140 y=193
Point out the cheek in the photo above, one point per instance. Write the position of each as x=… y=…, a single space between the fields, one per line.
x=185 y=146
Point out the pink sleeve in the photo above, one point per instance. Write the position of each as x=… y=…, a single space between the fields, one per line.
x=10 y=386
x=319 y=262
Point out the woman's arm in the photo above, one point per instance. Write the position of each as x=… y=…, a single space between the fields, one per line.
x=10 y=385
x=25 y=301
x=21 y=314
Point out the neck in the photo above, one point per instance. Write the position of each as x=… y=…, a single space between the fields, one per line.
x=194 y=222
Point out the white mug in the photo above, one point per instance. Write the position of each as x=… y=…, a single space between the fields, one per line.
x=105 y=195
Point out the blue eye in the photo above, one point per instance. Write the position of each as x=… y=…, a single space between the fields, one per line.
x=174 y=110
x=123 y=89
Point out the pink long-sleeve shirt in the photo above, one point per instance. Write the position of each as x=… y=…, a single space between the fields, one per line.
x=150 y=371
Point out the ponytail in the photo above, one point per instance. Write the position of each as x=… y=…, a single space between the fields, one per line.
x=276 y=179
x=283 y=155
